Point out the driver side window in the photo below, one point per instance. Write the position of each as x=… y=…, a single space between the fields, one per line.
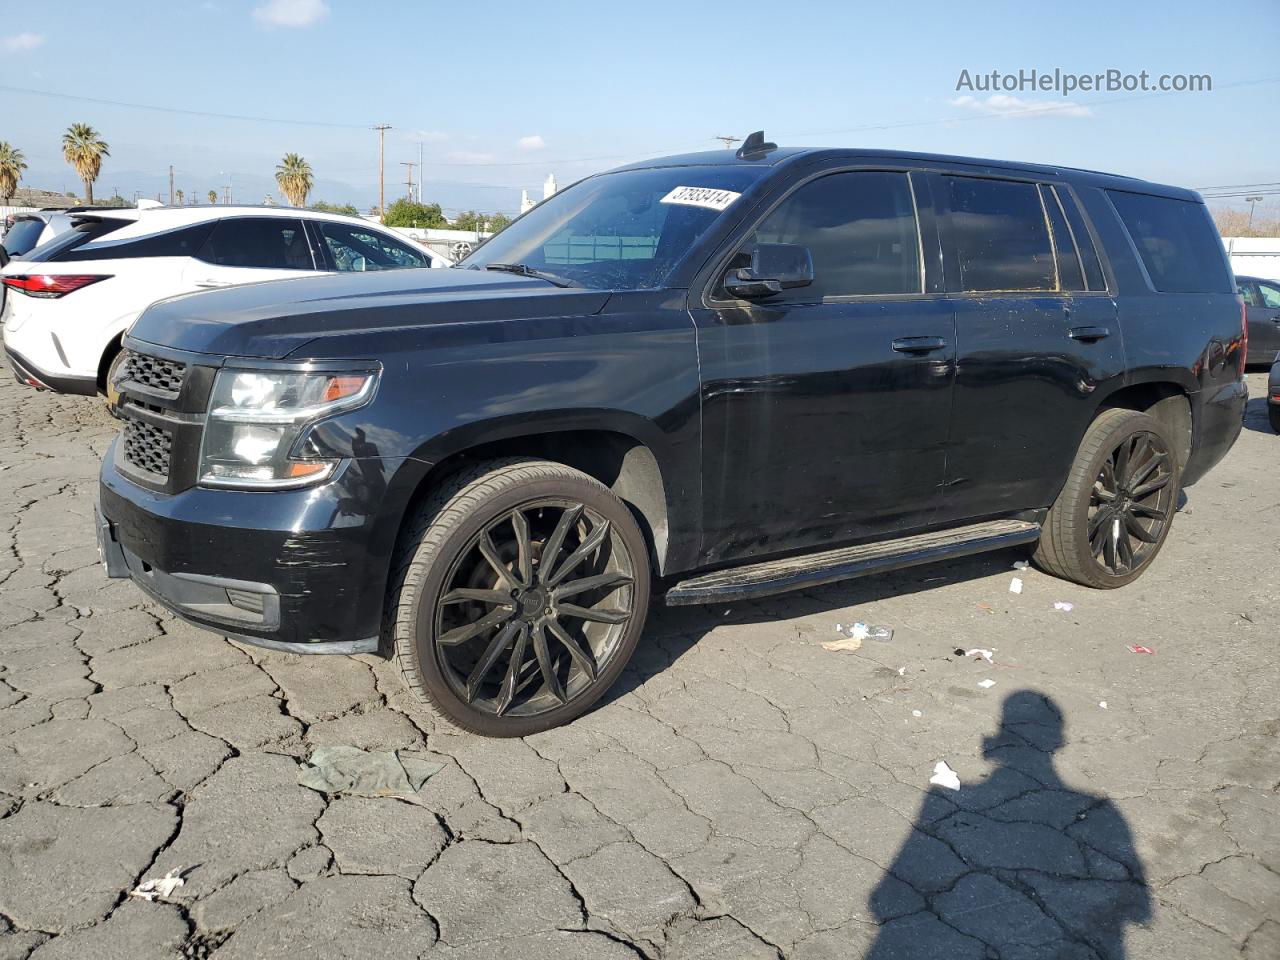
x=859 y=227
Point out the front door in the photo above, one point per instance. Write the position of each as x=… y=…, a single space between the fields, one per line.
x=825 y=408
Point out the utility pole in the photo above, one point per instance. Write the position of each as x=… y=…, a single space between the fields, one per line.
x=171 y=184
x=727 y=141
x=409 y=179
x=382 y=129
x=1252 y=202
x=421 y=171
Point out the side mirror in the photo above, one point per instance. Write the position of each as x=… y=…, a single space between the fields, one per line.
x=774 y=267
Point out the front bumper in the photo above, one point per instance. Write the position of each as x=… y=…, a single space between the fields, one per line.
x=28 y=374
x=302 y=571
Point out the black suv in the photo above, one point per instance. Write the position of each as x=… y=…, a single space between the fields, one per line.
x=709 y=377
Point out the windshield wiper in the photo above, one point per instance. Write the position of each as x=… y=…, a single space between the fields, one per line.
x=527 y=271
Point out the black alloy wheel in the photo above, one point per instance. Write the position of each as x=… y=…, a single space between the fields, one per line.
x=534 y=605
x=1133 y=498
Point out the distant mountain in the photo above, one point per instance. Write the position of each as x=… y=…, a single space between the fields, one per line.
x=252 y=188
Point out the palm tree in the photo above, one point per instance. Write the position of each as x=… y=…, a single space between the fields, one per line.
x=178 y=194
x=12 y=163
x=295 y=180
x=213 y=196
x=84 y=148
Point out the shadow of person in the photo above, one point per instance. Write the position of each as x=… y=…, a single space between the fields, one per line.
x=1017 y=866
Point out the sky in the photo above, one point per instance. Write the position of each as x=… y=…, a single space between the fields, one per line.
x=497 y=95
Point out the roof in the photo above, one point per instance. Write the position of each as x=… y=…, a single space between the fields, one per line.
x=793 y=155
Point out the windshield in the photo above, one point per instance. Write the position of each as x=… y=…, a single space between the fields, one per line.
x=618 y=231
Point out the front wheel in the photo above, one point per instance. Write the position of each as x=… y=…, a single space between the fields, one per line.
x=1115 y=510
x=519 y=595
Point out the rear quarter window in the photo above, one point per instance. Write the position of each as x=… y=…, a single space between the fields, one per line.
x=85 y=231
x=1177 y=242
x=23 y=236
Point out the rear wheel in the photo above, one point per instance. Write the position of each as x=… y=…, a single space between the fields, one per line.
x=1115 y=510
x=520 y=593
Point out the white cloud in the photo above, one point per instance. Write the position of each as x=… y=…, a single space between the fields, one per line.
x=532 y=142
x=21 y=42
x=1003 y=105
x=291 y=13
x=467 y=156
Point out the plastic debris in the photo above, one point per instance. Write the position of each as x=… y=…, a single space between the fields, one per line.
x=1015 y=585
x=844 y=643
x=1021 y=564
x=863 y=631
x=1064 y=605
x=916 y=713
x=1102 y=704
x=986 y=684
x=944 y=776
x=987 y=655
x=902 y=671
x=1139 y=648
x=367 y=773
x=161 y=887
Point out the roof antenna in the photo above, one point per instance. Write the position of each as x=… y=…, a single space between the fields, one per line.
x=755 y=146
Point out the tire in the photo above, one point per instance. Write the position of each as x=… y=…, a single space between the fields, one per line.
x=1085 y=533
x=1273 y=414
x=444 y=584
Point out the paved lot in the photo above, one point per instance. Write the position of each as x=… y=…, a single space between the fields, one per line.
x=743 y=793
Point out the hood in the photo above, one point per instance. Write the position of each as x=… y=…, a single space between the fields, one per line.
x=273 y=319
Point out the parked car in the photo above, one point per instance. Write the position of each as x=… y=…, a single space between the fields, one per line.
x=82 y=290
x=709 y=377
x=1262 y=302
x=1273 y=396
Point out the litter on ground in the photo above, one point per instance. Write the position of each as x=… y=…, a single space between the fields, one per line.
x=161 y=887
x=944 y=776
x=367 y=773
x=986 y=608
x=1021 y=564
x=1102 y=704
x=1015 y=585
x=986 y=684
x=863 y=631
x=916 y=713
x=987 y=655
x=1139 y=648
x=1064 y=605
x=844 y=643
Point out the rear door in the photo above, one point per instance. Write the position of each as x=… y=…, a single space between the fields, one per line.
x=825 y=408
x=1264 y=322
x=1033 y=340
x=349 y=247
x=251 y=249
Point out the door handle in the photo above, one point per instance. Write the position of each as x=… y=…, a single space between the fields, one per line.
x=1089 y=333
x=918 y=344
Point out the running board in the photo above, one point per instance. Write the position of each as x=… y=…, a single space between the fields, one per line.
x=813 y=569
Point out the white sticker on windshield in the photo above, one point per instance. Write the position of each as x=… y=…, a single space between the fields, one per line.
x=707 y=197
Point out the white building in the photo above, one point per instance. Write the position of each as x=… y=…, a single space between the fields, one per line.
x=549 y=188
x=1254 y=256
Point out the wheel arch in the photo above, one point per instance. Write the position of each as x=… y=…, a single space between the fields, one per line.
x=1168 y=402
x=618 y=459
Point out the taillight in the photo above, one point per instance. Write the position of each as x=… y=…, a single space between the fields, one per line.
x=1244 y=336
x=50 y=286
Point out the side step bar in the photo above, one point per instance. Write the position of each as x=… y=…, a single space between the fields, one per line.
x=811 y=570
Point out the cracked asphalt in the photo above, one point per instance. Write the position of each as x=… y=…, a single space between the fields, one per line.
x=743 y=793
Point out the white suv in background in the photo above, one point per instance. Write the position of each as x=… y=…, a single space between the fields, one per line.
x=68 y=302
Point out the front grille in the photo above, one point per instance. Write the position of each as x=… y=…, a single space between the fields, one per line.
x=154 y=373
x=147 y=448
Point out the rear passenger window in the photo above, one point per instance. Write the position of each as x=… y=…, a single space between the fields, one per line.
x=274 y=243
x=353 y=248
x=1177 y=241
x=860 y=229
x=173 y=243
x=999 y=235
x=1070 y=274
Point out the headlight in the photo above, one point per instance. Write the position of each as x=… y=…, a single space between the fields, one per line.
x=257 y=418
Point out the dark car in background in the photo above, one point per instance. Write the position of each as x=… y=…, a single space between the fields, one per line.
x=1262 y=304
x=707 y=377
